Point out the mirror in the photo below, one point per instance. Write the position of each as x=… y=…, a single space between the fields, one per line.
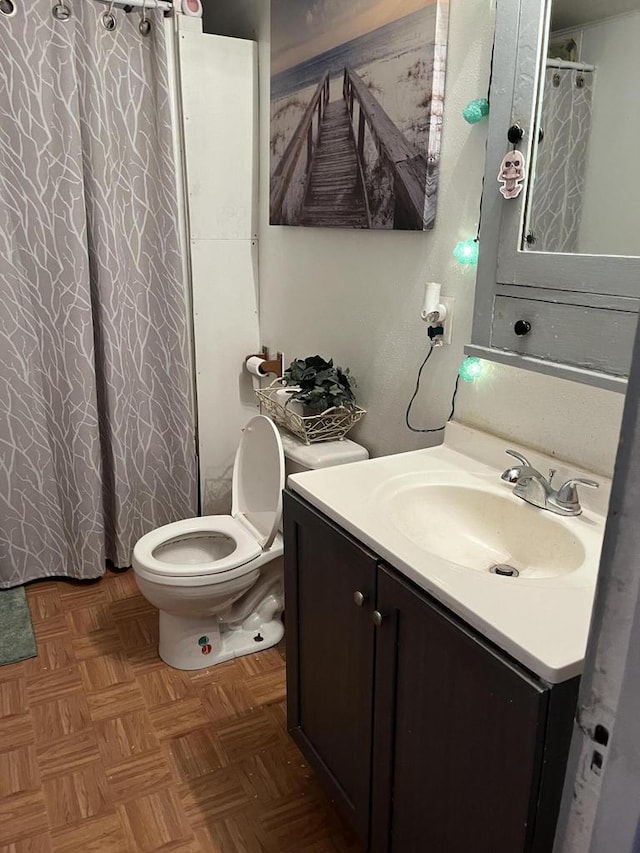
x=584 y=181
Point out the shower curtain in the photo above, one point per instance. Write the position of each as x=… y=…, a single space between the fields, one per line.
x=96 y=415
x=561 y=161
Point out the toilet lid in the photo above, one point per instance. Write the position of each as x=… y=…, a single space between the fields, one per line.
x=258 y=479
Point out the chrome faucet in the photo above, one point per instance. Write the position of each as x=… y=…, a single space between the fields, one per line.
x=534 y=488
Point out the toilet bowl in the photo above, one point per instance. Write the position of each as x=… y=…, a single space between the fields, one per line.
x=218 y=580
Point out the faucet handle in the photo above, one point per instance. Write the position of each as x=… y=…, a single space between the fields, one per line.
x=513 y=474
x=519 y=456
x=568 y=494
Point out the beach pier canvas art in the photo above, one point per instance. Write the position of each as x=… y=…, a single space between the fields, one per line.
x=357 y=97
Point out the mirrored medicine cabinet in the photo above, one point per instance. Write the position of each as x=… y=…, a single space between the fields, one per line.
x=559 y=272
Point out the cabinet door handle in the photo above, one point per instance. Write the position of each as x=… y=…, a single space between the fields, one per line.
x=359 y=598
x=377 y=618
x=515 y=134
x=522 y=328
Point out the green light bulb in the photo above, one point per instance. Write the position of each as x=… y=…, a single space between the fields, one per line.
x=471 y=369
x=476 y=110
x=466 y=252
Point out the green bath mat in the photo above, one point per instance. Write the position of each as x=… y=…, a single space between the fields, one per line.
x=16 y=633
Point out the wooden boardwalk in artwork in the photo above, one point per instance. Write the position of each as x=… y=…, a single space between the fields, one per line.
x=335 y=191
x=325 y=161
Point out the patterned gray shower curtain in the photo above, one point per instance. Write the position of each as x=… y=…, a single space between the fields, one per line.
x=561 y=162
x=96 y=416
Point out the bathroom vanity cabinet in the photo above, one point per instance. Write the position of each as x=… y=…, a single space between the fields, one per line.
x=424 y=734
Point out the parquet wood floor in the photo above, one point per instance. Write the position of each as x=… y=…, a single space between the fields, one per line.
x=105 y=749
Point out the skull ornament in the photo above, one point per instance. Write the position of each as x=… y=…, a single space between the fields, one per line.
x=512 y=173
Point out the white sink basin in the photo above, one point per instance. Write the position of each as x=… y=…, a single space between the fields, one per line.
x=481 y=529
x=442 y=518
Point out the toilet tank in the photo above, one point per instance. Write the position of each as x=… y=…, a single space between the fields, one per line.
x=326 y=454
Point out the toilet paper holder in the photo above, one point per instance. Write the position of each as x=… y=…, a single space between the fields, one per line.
x=269 y=365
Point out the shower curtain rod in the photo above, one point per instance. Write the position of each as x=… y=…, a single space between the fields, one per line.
x=575 y=66
x=165 y=5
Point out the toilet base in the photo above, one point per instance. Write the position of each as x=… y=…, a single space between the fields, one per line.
x=191 y=643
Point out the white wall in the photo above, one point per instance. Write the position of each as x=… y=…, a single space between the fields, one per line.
x=572 y=13
x=564 y=419
x=612 y=183
x=356 y=296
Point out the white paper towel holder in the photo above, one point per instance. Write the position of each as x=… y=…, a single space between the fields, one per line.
x=269 y=365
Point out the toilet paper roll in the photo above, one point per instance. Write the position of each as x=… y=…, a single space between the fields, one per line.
x=283 y=397
x=192 y=8
x=254 y=366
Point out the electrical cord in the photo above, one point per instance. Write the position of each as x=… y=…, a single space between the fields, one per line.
x=424 y=363
x=429 y=354
x=415 y=394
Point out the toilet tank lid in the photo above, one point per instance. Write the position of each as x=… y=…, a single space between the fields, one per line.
x=325 y=454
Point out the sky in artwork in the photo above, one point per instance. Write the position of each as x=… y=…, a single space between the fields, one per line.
x=301 y=29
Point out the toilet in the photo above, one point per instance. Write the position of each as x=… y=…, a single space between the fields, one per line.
x=217 y=581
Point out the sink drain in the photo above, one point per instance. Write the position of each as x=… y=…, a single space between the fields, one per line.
x=504 y=570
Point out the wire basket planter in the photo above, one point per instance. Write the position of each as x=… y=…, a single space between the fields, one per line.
x=330 y=425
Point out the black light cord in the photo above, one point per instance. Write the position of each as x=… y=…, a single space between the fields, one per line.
x=493 y=52
x=424 y=363
x=415 y=394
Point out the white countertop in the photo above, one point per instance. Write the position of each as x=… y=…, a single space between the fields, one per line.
x=542 y=623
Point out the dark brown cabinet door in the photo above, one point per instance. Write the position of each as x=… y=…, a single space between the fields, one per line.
x=330 y=655
x=458 y=735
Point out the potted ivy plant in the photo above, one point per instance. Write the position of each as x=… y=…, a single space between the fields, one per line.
x=319 y=385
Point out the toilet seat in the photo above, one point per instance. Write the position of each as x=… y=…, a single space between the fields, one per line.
x=258 y=481
x=246 y=547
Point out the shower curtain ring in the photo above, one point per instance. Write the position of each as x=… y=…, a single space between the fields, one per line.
x=145 y=24
x=8 y=8
x=108 y=19
x=61 y=12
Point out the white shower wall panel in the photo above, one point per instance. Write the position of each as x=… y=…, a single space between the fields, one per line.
x=218 y=78
x=226 y=325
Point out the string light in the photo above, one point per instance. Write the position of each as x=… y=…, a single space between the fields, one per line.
x=466 y=252
x=471 y=369
x=476 y=110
